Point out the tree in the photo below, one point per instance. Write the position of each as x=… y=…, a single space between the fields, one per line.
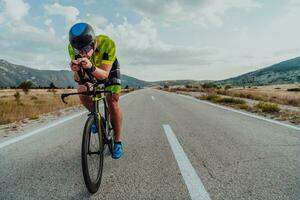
x=25 y=86
x=227 y=87
x=189 y=85
x=52 y=86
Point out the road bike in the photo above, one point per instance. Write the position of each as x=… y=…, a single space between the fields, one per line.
x=97 y=136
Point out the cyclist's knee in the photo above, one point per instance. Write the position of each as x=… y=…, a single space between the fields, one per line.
x=81 y=88
x=83 y=98
x=85 y=87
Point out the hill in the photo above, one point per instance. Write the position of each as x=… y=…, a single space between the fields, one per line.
x=286 y=72
x=13 y=75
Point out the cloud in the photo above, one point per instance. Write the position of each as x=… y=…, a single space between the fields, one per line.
x=89 y=2
x=25 y=43
x=140 y=51
x=204 y=12
x=70 y=13
x=14 y=25
x=16 y=9
x=95 y=21
x=139 y=36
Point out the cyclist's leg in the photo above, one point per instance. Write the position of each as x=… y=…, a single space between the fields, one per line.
x=85 y=100
x=115 y=110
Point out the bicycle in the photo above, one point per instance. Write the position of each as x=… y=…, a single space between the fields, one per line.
x=104 y=135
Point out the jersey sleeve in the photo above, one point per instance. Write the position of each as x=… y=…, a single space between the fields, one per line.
x=71 y=52
x=110 y=54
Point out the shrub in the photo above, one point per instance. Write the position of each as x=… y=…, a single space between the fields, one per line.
x=212 y=97
x=188 y=86
x=294 y=89
x=33 y=117
x=52 y=86
x=52 y=90
x=244 y=106
x=268 y=107
x=17 y=96
x=209 y=85
x=221 y=91
x=293 y=102
x=249 y=96
x=227 y=87
x=25 y=86
x=230 y=100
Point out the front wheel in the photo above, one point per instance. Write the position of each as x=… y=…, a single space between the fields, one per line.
x=92 y=154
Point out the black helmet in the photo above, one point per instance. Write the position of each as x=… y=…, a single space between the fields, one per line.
x=81 y=35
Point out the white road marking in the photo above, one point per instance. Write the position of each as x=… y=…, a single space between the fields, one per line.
x=153 y=98
x=40 y=130
x=191 y=179
x=22 y=137
x=243 y=113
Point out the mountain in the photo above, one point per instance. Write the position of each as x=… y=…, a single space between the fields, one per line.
x=282 y=73
x=13 y=75
x=133 y=82
x=178 y=82
x=285 y=72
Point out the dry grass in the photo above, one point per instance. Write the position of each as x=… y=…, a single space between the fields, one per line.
x=275 y=94
x=31 y=105
x=280 y=94
x=269 y=96
x=15 y=107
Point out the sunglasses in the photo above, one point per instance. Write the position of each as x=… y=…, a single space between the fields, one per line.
x=85 y=49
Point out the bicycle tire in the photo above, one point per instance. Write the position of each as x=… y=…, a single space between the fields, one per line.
x=91 y=185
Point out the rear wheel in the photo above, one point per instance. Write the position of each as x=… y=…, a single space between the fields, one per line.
x=92 y=155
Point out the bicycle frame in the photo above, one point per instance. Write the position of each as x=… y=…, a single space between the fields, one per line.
x=95 y=99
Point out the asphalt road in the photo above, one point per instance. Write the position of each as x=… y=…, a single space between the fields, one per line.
x=218 y=154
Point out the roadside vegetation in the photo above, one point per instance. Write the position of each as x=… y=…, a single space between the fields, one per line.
x=16 y=105
x=281 y=102
x=27 y=102
x=268 y=107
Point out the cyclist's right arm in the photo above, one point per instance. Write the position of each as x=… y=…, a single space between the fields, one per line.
x=73 y=64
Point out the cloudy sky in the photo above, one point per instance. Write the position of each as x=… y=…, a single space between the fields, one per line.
x=157 y=39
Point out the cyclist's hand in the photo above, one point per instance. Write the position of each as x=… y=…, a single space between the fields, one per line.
x=76 y=77
x=74 y=65
x=86 y=63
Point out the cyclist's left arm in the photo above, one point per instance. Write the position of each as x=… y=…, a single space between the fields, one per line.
x=109 y=57
x=102 y=72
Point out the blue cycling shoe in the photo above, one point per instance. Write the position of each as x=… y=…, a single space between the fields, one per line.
x=94 y=128
x=118 y=151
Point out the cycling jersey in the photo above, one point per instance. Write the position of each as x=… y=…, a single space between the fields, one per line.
x=105 y=53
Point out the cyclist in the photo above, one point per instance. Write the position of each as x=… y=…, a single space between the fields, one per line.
x=97 y=54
